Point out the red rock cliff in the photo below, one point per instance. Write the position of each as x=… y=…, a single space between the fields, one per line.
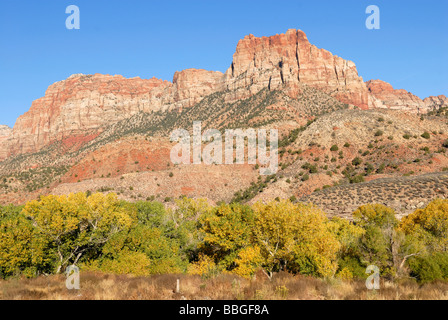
x=84 y=103
x=290 y=59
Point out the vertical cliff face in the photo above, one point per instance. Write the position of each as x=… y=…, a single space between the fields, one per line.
x=191 y=85
x=5 y=132
x=85 y=103
x=289 y=59
x=82 y=103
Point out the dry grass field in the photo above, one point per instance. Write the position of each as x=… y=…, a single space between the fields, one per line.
x=283 y=286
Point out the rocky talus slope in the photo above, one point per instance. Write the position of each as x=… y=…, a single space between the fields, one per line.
x=404 y=194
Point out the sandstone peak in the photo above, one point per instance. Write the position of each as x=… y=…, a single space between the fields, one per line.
x=296 y=31
x=378 y=86
x=85 y=103
x=437 y=101
x=289 y=60
x=403 y=100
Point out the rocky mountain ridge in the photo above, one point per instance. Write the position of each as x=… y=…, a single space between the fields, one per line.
x=86 y=103
x=109 y=133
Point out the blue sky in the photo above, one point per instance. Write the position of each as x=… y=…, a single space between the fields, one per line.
x=156 y=38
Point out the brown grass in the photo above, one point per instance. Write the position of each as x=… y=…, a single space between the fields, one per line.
x=97 y=286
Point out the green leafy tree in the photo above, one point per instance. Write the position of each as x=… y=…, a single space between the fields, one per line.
x=186 y=226
x=22 y=249
x=383 y=243
x=163 y=253
x=349 y=236
x=152 y=213
x=427 y=233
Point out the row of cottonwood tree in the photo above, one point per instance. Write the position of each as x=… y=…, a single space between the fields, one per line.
x=102 y=233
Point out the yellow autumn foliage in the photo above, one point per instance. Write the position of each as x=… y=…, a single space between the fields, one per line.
x=296 y=237
x=345 y=274
x=22 y=249
x=377 y=214
x=126 y=262
x=76 y=222
x=248 y=261
x=429 y=224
